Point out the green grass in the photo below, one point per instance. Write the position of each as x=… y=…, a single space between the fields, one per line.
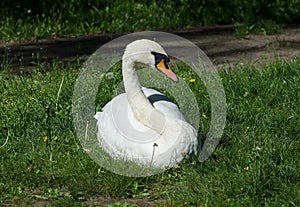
x=256 y=163
x=264 y=27
x=28 y=19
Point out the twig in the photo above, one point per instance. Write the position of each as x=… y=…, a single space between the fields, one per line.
x=58 y=93
x=86 y=132
x=154 y=145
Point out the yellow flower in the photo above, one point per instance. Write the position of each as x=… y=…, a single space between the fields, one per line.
x=102 y=75
x=193 y=80
x=45 y=138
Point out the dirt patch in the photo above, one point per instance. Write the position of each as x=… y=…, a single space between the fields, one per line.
x=225 y=49
x=219 y=43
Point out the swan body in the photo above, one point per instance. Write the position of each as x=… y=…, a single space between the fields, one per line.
x=142 y=125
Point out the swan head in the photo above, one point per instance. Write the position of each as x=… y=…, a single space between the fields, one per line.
x=149 y=53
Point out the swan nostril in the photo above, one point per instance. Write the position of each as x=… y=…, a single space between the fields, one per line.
x=166 y=65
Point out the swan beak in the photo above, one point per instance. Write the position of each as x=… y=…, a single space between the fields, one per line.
x=164 y=67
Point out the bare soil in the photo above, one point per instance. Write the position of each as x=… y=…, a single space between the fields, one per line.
x=219 y=43
x=225 y=49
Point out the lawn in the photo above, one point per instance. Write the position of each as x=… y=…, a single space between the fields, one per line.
x=255 y=164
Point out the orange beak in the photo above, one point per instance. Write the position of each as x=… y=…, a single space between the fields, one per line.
x=165 y=68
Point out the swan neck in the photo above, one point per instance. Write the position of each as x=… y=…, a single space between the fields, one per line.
x=142 y=109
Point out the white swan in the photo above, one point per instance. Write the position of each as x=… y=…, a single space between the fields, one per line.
x=142 y=125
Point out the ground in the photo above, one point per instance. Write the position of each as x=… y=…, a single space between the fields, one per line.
x=219 y=43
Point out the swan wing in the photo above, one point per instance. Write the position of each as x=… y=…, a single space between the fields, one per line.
x=163 y=103
x=123 y=137
x=120 y=134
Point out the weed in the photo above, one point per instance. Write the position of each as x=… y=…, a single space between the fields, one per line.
x=264 y=27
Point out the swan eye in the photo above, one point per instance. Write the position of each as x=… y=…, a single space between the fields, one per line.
x=161 y=58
